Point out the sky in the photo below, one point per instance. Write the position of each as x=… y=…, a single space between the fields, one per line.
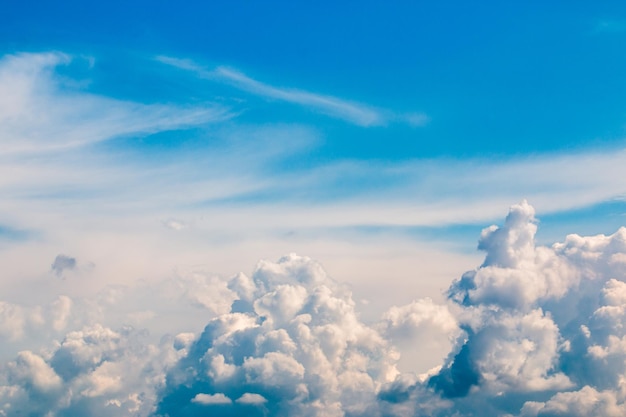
x=279 y=209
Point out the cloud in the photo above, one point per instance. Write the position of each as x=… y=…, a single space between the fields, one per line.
x=435 y=192
x=352 y=112
x=514 y=340
x=19 y=321
x=253 y=399
x=62 y=263
x=94 y=371
x=14 y=318
x=38 y=112
x=532 y=331
x=417 y=119
x=585 y=402
x=359 y=114
x=533 y=317
x=208 y=399
x=174 y=224
x=299 y=348
x=423 y=331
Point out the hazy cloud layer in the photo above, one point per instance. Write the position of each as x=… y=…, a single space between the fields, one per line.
x=533 y=331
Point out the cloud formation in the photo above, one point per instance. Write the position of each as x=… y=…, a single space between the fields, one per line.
x=38 y=112
x=356 y=113
x=532 y=331
x=292 y=344
x=530 y=319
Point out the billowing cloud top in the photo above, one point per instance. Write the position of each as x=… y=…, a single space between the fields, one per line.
x=533 y=331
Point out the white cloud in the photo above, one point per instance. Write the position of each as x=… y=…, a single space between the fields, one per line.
x=352 y=112
x=174 y=224
x=95 y=371
x=289 y=340
x=37 y=114
x=31 y=370
x=298 y=345
x=587 y=402
x=60 y=312
x=250 y=398
x=356 y=113
x=208 y=399
x=423 y=331
x=12 y=320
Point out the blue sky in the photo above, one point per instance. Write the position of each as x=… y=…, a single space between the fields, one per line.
x=160 y=148
x=493 y=79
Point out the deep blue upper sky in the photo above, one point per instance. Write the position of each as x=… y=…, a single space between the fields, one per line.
x=495 y=78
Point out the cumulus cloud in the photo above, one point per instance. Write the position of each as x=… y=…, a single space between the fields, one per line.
x=532 y=331
x=19 y=321
x=542 y=326
x=586 y=402
x=254 y=399
x=423 y=331
x=207 y=399
x=14 y=318
x=294 y=345
x=93 y=371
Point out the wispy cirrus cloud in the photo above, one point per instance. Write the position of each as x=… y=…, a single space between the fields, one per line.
x=355 y=113
x=352 y=112
x=36 y=114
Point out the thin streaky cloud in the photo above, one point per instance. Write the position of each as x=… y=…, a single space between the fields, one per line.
x=185 y=64
x=356 y=113
x=38 y=113
x=416 y=194
x=332 y=106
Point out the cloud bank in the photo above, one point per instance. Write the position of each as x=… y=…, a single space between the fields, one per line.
x=532 y=331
